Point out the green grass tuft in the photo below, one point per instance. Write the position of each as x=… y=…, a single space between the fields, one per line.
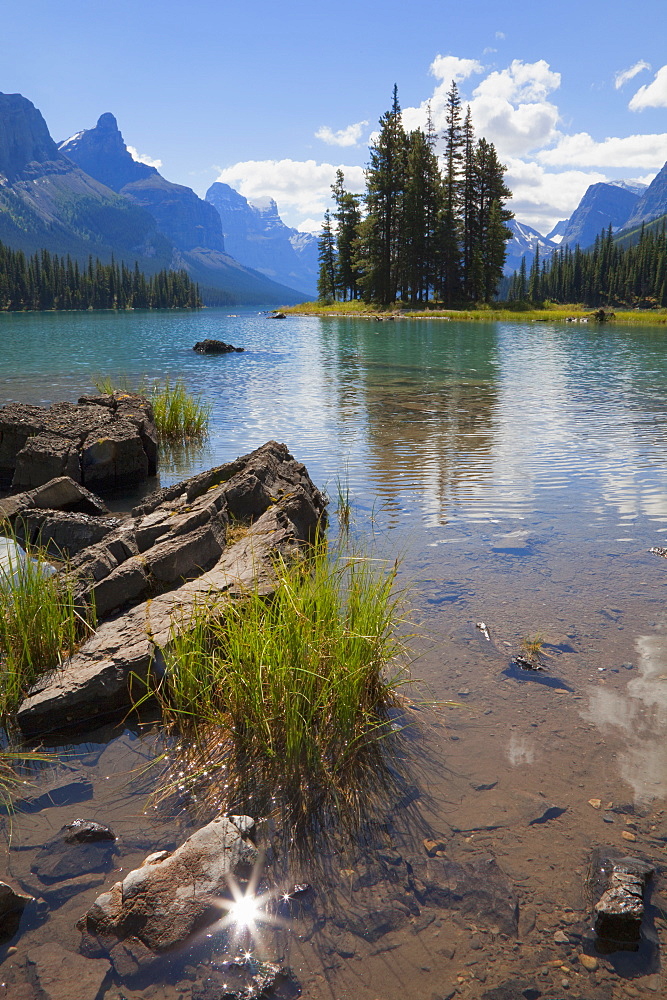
x=39 y=626
x=287 y=700
x=179 y=416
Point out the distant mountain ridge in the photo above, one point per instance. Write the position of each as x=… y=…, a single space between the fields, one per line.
x=257 y=236
x=48 y=201
x=523 y=243
x=190 y=223
x=653 y=202
x=603 y=205
x=179 y=213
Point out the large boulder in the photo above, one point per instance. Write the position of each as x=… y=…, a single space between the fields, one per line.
x=160 y=905
x=106 y=441
x=151 y=570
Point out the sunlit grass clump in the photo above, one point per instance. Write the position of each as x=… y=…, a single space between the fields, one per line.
x=286 y=702
x=179 y=416
x=40 y=625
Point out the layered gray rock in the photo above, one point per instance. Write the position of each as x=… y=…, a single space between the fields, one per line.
x=620 y=909
x=160 y=905
x=163 y=562
x=102 y=441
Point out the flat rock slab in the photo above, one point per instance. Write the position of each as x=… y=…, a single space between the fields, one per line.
x=158 y=906
x=180 y=532
x=64 y=975
x=102 y=441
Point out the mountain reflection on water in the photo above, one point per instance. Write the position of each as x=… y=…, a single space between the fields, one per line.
x=518 y=472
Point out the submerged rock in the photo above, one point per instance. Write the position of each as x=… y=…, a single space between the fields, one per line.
x=620 y=909
x=59 y=974
x=215 y=347
x=12 y=905
x=171 y=896
x=78 y=849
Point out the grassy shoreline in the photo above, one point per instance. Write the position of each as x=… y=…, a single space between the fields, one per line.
x=481 y=314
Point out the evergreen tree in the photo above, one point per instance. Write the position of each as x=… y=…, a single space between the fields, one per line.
x=347 y=216
x=326 y=282
x=380 y=233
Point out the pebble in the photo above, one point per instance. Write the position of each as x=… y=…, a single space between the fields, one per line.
x=565 y=983
x=588 y=962
x=596 y=803
x=560 y=937
x=463 y=692
x=627 y=835
x=435 y=847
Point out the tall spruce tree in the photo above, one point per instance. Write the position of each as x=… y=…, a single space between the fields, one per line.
x=326 y=255
x=380 y=232
x=347 y=216
x=451 y=220
x=488 y=213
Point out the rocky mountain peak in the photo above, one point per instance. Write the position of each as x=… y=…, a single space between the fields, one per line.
x=107 y=122
x=102 y=153
x=24 y=136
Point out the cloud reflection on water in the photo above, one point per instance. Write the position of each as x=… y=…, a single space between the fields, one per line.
x=639 y=716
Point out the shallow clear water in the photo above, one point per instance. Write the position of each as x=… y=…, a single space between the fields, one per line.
x=519 y=472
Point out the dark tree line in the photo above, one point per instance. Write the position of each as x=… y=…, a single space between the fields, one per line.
x=47 y=281
x=424 y=229
x=606 y=274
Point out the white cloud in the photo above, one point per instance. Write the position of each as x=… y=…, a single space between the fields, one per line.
x=541 y=198
x=500 y=35
x=142 y=158
x=445 y=69
x=510 y=107
x=652 y=95
x=633 y=151
x=349 y=136
x=623 y=76
x=298 y=186
x=310 y=226
x=448 y=68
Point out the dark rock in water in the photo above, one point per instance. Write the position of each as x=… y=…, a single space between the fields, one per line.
x=104 y=442
x=515 y=989
x=215 y=347
x=12 y=905
x=79 y=848
x=620 y=909
x=85 y=831
x=278 y=315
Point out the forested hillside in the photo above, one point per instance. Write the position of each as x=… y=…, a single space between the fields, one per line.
x=611 y=273
x=47 y=281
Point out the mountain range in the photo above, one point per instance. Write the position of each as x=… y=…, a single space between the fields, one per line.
x=90 y=196
x=617 y=204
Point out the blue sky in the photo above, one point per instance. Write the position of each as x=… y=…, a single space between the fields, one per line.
x=272 y=97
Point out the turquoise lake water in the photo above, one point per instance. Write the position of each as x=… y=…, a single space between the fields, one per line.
x=519 y=472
